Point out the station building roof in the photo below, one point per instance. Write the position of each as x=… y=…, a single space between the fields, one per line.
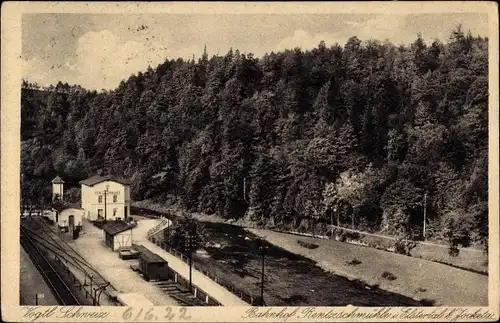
x=115 y=227
x=96 y=179
x=59 y=206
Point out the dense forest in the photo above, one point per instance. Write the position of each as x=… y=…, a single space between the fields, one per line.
x=368 y=135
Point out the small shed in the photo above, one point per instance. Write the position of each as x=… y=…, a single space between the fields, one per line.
x=68 y=217
x=117 y=234
x=151 y=265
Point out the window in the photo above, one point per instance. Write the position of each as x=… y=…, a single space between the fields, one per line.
x=115 y=198
x=99 y=199
x=99 y=213
x=115 y=211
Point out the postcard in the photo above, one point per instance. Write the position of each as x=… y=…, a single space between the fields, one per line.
x=249 y=162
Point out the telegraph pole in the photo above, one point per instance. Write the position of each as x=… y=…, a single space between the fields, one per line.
x=262 y=254
x=331 y=218
x=244 y=188
x=425 y=211
x=105 y=206
x=189 y=247
x=190 y=267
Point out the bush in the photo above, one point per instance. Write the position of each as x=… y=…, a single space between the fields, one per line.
x=453 y=250
x=352 y=235
x=307 y=245
x=404 y=246
x=337 y=231
x=344 y=235
x=354 y=262
x=387 y=275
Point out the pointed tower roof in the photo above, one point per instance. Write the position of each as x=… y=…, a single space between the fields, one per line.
x=57 y=180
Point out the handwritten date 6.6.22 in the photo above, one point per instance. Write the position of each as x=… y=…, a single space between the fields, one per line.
x=138 y=314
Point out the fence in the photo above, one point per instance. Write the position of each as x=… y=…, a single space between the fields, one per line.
x=179 y=279
x=245 y=296
x=197 y=292
x=164 y=223
x=77 y=284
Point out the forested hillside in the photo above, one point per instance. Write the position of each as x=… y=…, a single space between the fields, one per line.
x=365 y=129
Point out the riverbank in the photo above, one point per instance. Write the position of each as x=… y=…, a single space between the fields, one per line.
x=470 y=259
x=415 y=278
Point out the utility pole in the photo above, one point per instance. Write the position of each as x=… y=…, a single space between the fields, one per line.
x=312 y=224
x=331 y=218
x=189 y=247
x=190 y=269
x=105 y=204
x=262 y=253
x=244 y=188
x=91 y=292
x=37 y=297
x=425 y=211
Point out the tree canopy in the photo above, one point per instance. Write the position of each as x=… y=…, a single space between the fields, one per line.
x=369 y=127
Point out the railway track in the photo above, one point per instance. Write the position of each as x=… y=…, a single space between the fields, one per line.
x=58 y=248
x=56 y=283
x=44 y=237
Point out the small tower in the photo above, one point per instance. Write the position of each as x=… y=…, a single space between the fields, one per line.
x=57 y=189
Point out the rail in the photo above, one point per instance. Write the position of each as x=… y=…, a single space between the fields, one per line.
x=56 y=283
x=46 y=238
x=50 y=241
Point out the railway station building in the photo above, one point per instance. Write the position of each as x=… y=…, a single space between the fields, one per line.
x=105 y=198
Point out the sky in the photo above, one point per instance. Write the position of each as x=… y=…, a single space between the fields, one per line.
x=99 y=50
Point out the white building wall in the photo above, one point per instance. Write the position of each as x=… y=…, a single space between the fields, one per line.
x=86 y=192
x=63 y=218
x=90 y=200
x=122 y=239
x=58 y=189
